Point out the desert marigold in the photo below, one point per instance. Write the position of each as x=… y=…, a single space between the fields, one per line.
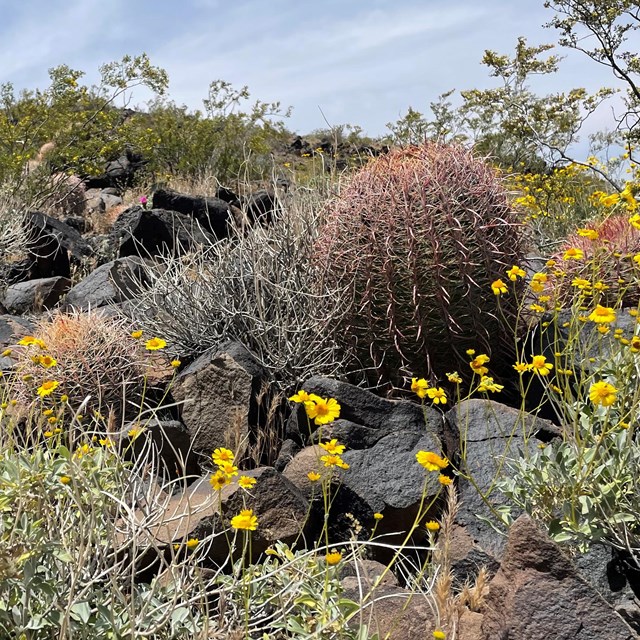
x=432 y=525
x=47 y=388
x=228 y=468
x=65 y=479
x=439 y=635
x=378 y=516
x=591 y=234
x=498 y=287
x=602 y=315
x=245 y=520
x=521 y=367
x=300 y=396
x=454 y=377
x=192 y=543
x=634 y=220
x=313 y=476
x=322 y=410
x=573 y=253
x=437 y=395
x=477 y=364
x=540 y=365
x=487 y=383
x=538 y=281
x=419 y=386
x=47 y=361
x=333 y=446
x=333 y=557
x=581 y=284
x=332 y=460
x=516 y=272
x=444 y=480
x=155 y=344
x=431 y=461
x=136 y=334
x=247 y=482
x=602 y=393
x=176 y=363
x=222 y=455
x=218 y=480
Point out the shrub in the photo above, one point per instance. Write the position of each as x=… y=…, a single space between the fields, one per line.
x=260 y=289
x=418 y=236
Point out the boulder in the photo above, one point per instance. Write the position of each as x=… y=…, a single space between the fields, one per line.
x=12 y=329
x=147 y=233
x=52 y=245
x=260 y=206
x=388 y=475
x=282 y=510
x=220 y=396
x=213 y=214
x=110 y=283
x=118 y=173
x=490 y=433
x=35 y=295
x=173 y=457
x=538 y=594
x=364 y=408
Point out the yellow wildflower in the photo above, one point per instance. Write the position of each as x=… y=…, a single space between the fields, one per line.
x=245 y=520
x=602 y=393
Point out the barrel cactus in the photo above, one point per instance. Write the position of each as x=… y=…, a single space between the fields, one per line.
x=599 y=260
x=417 y=237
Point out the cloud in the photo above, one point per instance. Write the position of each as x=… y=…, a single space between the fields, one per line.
x=363 y=62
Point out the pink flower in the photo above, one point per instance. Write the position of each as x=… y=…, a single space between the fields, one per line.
x=143 y=200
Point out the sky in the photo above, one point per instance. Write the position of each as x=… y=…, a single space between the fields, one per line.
x=363 y=62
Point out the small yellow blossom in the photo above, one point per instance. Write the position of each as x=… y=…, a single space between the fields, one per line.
x=246 y=482
x=602 y=314
x=219 y=480
x=431 y=461
x=419 y=386
x=498 y=287
x=245 y=520
x=516 y=272
x=477 y=364
x=602 y=393
x=300 y=397
x=573 y=253
x=176 y=363
x=228 y=468
x=540 y=365
x=521 y=367
x=333 y=557
x=313 y=476
x=47 y=362
x=47 y=388
x=222 y=456
x=65 y=479
x=322 y=410
x=377 y=516
x=155 y=344
x=136 y=334
x=592 y=234
x=487 y=384
x=333 y=446
x=454 y=377
x=439 y=635
x=437 y=395
x=432 y=525
x=444 y=480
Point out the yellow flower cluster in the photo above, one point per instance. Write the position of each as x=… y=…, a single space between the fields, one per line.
x=421 y=388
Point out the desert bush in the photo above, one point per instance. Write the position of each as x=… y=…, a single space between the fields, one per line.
x=92 y=358
x=417 y=237
x=555 y=202
x=260 y=289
